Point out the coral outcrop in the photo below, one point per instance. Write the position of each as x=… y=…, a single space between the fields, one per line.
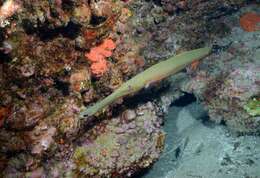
x=45 y=81
x=120 y=146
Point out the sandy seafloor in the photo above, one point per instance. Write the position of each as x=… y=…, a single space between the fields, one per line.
x=197 y=148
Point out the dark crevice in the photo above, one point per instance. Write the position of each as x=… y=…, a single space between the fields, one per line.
x=2 y=34
x=157 y=2
x=205 y=120
x=28 y=26
x=46 y=33
x=97 y=20
x=177 y=152
x=67 y=4
x=62 y=86
x=142 y=97
x=5 y=58
x=221 y=11
x=145 y=95
x=71 y=30
x=184 y=100
x=222 y=122
x=141 y=173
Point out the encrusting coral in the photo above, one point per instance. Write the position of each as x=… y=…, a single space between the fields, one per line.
x=150 y=75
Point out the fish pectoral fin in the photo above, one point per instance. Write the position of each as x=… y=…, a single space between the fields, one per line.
x=151 y=84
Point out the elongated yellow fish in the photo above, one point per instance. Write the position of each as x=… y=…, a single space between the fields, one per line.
x=152 y=74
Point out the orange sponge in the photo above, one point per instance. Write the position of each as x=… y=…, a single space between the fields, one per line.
x=250 y=22
x=97 y=57
x=98 y=68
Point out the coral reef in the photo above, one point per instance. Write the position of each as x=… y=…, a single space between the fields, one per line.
x=59 y=57
x=45 y=81
x=187 y=27
x=117 y=147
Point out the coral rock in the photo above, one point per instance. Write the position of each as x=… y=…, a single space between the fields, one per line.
x=41 y=138
x=27 y=114
x=121 y=146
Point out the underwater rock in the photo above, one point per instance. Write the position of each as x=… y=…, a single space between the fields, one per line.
x=19 y=165
x=52 y=16
x=120 y=146
x=26 y=114
x=228 y=79
x=227 y=101
x=32 y=56
x=44 y=12
x=110 y=80
x=81 y=14
x=11 y=142
x=116 y=147
x=65 y=118
x=200 y=7
x=44 y=80
x=40 y=139
x=184 y=29
x=8 y=8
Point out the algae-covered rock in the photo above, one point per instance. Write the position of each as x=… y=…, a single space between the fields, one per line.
x=26 y=114
x=228 y=101
x=228 y=80
x=120 y=146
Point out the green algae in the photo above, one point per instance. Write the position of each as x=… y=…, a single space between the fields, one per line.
x=253 y=107
x=154 y=73
x=81 y=160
